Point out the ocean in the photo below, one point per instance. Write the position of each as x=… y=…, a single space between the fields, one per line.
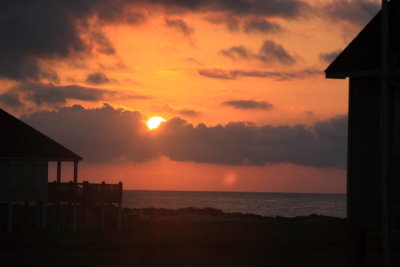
x=266 y=204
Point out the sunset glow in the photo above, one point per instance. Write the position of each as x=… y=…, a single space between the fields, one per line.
x=241 y=84
x=154 y=122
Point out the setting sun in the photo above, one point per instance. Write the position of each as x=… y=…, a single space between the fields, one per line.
x=154 y=122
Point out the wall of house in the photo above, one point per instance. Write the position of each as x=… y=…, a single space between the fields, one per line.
x=23 y=180
x=364 y=184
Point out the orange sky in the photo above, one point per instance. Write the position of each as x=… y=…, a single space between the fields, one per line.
x=164 y=59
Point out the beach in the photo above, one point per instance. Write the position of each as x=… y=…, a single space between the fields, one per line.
x=191 y=237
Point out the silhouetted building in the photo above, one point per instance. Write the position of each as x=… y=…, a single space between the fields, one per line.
x=24 y=157
x=361 y=62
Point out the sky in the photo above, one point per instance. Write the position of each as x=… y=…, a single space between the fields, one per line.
x=240 y=84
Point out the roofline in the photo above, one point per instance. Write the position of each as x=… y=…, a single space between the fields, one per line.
x=76 y=158
x=344 y=75
x=41 y=159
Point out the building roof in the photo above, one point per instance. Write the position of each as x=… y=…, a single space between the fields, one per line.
x=362 y=57
x=20 y=141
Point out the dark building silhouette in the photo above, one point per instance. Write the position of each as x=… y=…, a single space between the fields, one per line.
x=24 y=157
x=361 y=61
x=372 y=63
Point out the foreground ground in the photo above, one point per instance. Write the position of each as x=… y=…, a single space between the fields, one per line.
x=190 y=237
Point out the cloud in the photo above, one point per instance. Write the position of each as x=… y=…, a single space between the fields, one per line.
x=101 y=43
x=232 y=23
x=189 y=112
x=248 y=24
x=275 y=8
x=225 y=74
x=39 y=31
x=107 y=134
x=269 y=52
x=56 y=95
x=99 y=134
x=357 y=12
x=237 y=143
x=260 y=25
x=97 y=78
x=237 y=52
x=9 y=99
x=329 y=57
x=248 y=104
x=180 y=26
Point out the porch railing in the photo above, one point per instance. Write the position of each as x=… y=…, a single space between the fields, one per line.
x=85 y=192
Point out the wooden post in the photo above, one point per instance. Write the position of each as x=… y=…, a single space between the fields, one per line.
x=75 y=196
x=120 y=207
x=9 y=217
x=26 y=216
x=44 y=215
x=119 y=216
x=58 y=171
x=85 y=187
x=57 y=208
x=70 y=200
x=74 y=217
x=38 y=215
x=103 y=212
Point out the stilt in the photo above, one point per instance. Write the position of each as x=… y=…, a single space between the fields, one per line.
x=103 y=211
x=9 y=217
x=26 y=216
x=103 y=217
x=74 y=216
x=75 y=196
x=38 y=215
x=55 y=216
x=86 y=215
x=119 y=216
x=44 y=215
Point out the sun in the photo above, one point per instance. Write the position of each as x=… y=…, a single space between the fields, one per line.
x=154 y=122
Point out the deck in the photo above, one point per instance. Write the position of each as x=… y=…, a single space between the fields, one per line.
x=85 y=192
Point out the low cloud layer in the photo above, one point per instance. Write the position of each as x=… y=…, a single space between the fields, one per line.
x=224 y=74
x=248 y=104
x=107 y=134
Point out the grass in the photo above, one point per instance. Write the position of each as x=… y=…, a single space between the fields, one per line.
x=219 y=239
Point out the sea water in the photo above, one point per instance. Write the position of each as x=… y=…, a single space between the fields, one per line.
x=266 y=204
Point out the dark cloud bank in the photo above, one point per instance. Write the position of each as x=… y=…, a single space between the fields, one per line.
x=33 y=31
x=106 y=134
